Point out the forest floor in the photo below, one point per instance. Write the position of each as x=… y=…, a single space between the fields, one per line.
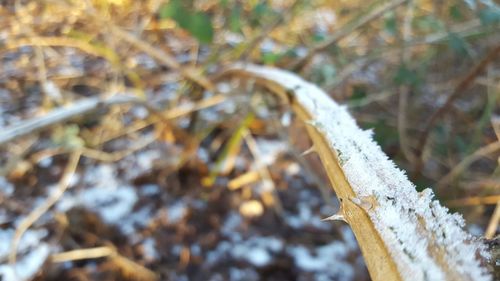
x=207 y=181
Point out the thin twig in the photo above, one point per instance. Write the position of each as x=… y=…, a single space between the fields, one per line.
x=118 y=155
x=45 y=206
x=343 y=32
x=404 y=90
x=464 y=84
x=493 y=225
x=40 y=41
x=127 y=266
x=60 y=115
x=82 y=254
x=193 y=74
x=474 y=201
x=253 y=42
x=460 y=167
x=89 y=105
x=263 y=170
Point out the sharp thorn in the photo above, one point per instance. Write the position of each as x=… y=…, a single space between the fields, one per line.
x=313 y=123
x=336 y=217
x=308 y=151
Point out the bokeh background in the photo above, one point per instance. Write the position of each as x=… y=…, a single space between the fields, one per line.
x=162 y=171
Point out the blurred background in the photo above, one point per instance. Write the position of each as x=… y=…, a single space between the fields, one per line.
x=125 y=156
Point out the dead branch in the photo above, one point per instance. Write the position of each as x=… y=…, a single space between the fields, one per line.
x=343 y=32
x=60 y=115
x=464 y=84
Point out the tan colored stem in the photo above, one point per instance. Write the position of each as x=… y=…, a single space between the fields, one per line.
x=389 y=254
x=377 y=258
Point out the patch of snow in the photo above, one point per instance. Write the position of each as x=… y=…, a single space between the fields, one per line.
x=232 y=222
x=305 y=217
x=46 y=162
x=224 y=88
x=286 y=119
x=349 y=239
x=247 y=274
x=150 y=189
x=195 y=249
x=144 y=160
x=256 y=256
x=139 y=218
x=110 y=203
x=221 y=251
x=198 y=204
x=203 y=154
x=6 y=187
x=328 y=260
x=26 y=266
x=30 y=238
x=233 y=38
x=292 y=169
x=140 y=162
x=104 y=194
x=149 y=248
x=402 y=212
x=52 y=90
x=139 y=112
x=176 y=212
x=145 y=61
x=256 y=250
x=270 y=150
x=475 y=229
x=103 y=175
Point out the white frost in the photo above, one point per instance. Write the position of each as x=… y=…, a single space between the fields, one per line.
x=401 y=208
x=26 y=266
x=30 y=238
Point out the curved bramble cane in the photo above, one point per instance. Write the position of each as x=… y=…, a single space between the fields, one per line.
x=403 y=234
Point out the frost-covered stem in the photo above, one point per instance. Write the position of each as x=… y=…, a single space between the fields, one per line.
x=59 y=115
x=403 y=234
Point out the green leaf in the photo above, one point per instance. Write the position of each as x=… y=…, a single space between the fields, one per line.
x=235 y=19
x=271 y=58
x=318 y=37
x=489 y=16
x=259 y=14
x=176 y=11
x=260 y=9
x=457 y=44
x=406 y=76
x=390 y=24
x=455 y=13
x=170 y=9
x=67 y=136
x=359 y=92
x=323 y=73
x=200 y=26
x=429 y=24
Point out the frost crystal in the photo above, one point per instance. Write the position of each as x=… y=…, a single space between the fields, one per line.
x=412 y=224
